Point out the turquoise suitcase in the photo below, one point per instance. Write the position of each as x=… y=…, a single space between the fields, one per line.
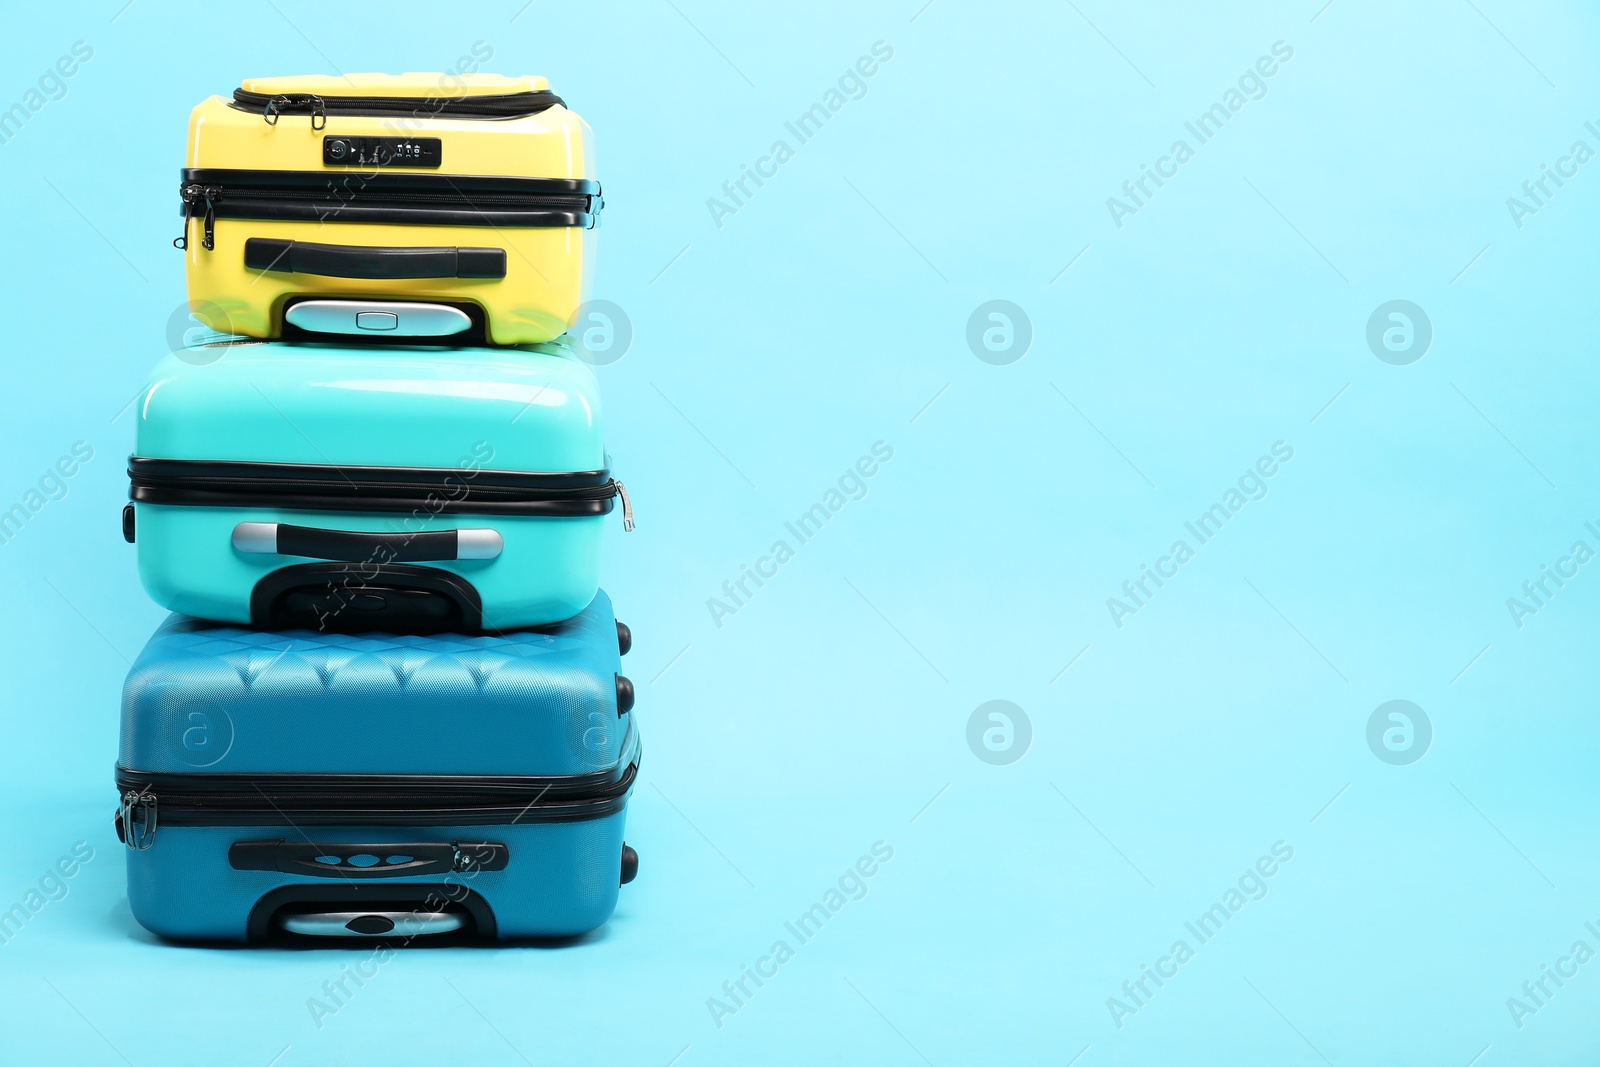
x=374 y=487
x=396 y=788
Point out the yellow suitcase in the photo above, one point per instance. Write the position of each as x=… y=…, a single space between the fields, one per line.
x=396 y=205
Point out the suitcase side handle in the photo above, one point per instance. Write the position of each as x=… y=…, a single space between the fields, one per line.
x=346 y=546
x=368 y=860
x=373 y=262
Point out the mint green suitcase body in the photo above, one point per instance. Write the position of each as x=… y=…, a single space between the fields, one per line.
x=380 y=487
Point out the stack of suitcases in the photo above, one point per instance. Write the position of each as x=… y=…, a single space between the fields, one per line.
x=389 y=703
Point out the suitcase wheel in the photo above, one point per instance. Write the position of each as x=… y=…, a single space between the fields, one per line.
x=624 y=695
x=624 y=635
x=630 y=864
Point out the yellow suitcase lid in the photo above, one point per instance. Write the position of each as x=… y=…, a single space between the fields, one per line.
x=416 y=84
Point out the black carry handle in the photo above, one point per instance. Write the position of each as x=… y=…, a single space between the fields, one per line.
x=359 y=261
x=386 y=860
x=346 y=546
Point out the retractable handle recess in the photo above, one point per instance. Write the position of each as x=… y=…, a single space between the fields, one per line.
x=346 y=546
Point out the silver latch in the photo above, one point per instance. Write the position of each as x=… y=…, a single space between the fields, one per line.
x=627 y=506
x=137 y=818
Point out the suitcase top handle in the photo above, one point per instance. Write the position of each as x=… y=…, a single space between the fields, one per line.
x=264 y=254
x=282 y=539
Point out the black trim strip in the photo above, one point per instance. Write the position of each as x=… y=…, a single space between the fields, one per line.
x=327 y=487
x=432 y=478
x=401 y=198
x=497 y=105
x=347 y=800
x=552 y=786
x=461 y=214
x=448 y=186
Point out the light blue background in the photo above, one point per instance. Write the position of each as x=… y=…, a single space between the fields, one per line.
x=825 y=715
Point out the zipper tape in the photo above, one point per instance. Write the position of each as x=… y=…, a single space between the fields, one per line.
x=414 y=199
x=499 y=105
x=326 y=487
x=155 y=800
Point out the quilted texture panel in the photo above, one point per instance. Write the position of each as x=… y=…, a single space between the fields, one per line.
x=207 y=697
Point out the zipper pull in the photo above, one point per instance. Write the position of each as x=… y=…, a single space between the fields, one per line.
x=280 y=105
x=138 y=835
x=186 y=193
x=194 y=194
x=209 y=240
x=274 y=106
x=627 y=506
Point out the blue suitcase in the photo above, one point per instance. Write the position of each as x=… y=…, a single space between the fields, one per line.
x=377 y=486
x=393 y=787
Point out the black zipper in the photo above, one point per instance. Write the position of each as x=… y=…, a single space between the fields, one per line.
x=408 y=199
x=193 y=194
x=499 y=106
x=325 y=487
x=149 y=801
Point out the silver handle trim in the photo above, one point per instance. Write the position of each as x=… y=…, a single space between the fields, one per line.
x=394 y=318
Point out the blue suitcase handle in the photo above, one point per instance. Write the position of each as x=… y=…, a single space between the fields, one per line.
x=346 y=546
x=347 y=860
